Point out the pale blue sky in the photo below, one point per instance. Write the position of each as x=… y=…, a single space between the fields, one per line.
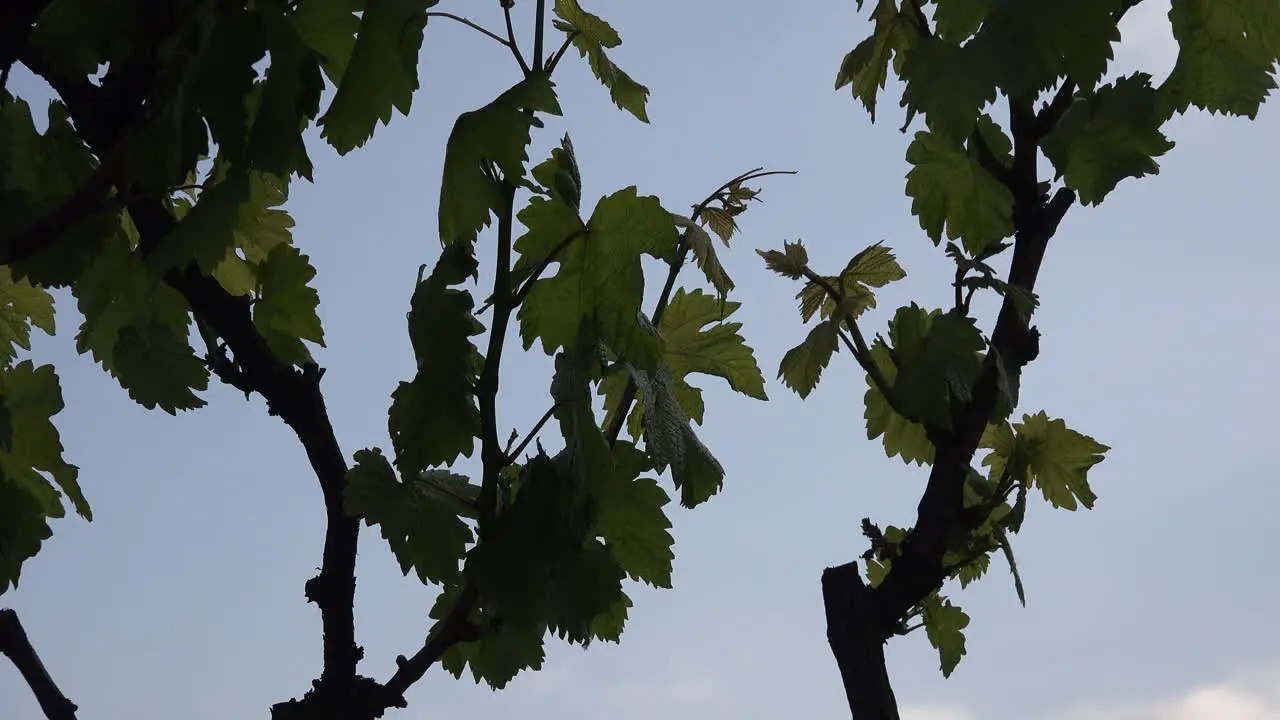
x=184 y=597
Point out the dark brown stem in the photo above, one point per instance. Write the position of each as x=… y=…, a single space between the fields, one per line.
x=539 y=29
x=15 y=645
x=511 y=39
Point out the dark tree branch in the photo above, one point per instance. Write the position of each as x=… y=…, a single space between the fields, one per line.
x=860 y=619
x=15 y=645
x=539 y=30
x=102 y=116
x=17 y=18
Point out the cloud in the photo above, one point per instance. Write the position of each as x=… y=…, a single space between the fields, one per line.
x=1250 y=696
x=1254 y=695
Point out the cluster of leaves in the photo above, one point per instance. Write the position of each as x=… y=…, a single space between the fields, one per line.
x=156 y=194
x=973 y=184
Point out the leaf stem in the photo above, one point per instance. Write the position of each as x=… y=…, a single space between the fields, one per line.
x=458 y=18
x=564 y=46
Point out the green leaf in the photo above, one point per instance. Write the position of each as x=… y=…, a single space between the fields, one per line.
x=1054 y=457
x=937 y=360
x=671 y=441
x=381 y=74
x=704 y=252
x=949 y=83
x=629 y=518
x=902 y=437
x=78 y=36
x=957 y=20
x=944 y=623
x=866 y=67
x=23 y=528
x=1108 y=136
x=551 y=224
x=497 y=133
x=874 y=267
x=424 y=533
x=973 y=571
x=32 y=396
x=434 y=418
x=154 y=362
x=587 y=451
x=222 y=87
x=329 y=27
x=591 y=36
x=290 y=99
x=1227 y=54
x=285 y=312
x=802 y=366
x=718 y=350
x=1013 y=569
x=600 y=278
x=22 y=306
x=791 y=262
x=950 y=189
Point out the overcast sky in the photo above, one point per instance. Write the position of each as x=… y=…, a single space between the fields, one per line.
x=183 y=599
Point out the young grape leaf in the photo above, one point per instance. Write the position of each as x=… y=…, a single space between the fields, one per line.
x=22 y=306
x=560 y=176
x=950 y=189
x=586 y=449
x=671 y=441
x=801 y=368
x=874 y=267
x=972 y=571
x=153 y=361
x=497 y=133
x=704 y=252
x=552 y=225
x=1227 y=54
x=434 y=418
x=591 y=36
x=1108 y=136
x=285 y=312
x=629 y=517
x=1056 y=458
x=381 y=74
x=944 y=623
x=790 y=262
x=423 y=533
x=500 y=653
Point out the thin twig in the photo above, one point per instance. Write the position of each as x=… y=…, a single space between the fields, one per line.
x=555 y=59
x=539 y=27
x=511 y=39
x=861 y=352
x=473 y=26
x=533 y=433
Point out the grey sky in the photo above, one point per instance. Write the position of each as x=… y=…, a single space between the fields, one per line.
x=184 y=597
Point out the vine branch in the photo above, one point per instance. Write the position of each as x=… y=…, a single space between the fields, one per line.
x=511 y=38
x=15 y=645
x=478 y=28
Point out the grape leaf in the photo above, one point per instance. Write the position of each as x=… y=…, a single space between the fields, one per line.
x=801 y=368
x=434 y=418
x=949 y=188
x=497 y=133
x=1108 y=136
x=704 y=252
x=902 y=437
x=790 y=262
x=22 y=306
x=937 y=361
x=329 y=28
x=285 y=312
x=944 y=623
x=600 y=277
x=591 y=36
x=1227 y=55
x=222 y=88
x=718 y=350
x=32 y=396
x=423 y=533
x=671 y=441
x=290 y=98
x=949 y=83
x=381 y=74
x=499 y=654
x=586 y=449
x=629 y=518
x=1056 y=458
x=873 y=267
x=23 y=528
x=957 y=20
x=153 y=361
x=78 y=36
x=866 y=67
